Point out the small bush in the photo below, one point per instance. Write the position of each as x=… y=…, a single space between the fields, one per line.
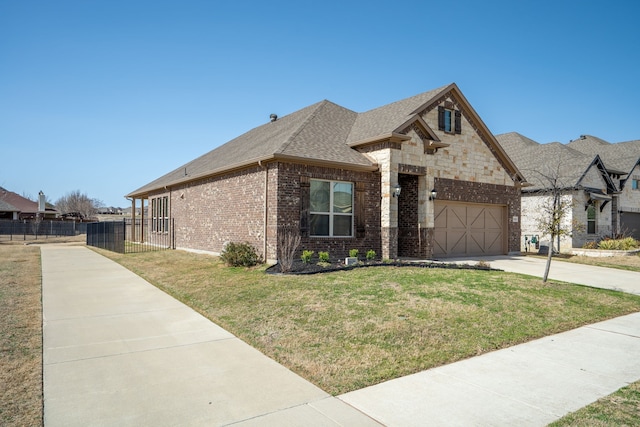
x=240 y=255
x=625 y=244
x=353 y=253
x=371 y=255
x=306 y=256
x=323 y=256
x=483 y=264
x=590 y=245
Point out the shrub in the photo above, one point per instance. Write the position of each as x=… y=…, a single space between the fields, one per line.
x=288 y=242
x=240 y=255
x=306 y=256
x=590 y=245
x=618 y=244
x=323 y=256
x=371 y=255
x=353 y=253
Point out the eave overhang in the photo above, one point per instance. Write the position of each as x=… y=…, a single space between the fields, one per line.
x=261 y=161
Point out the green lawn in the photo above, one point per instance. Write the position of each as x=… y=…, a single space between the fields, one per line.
x=621 y=408
x=347 y=330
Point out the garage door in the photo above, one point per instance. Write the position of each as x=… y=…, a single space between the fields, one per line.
x=463 y=229
x=630 y=224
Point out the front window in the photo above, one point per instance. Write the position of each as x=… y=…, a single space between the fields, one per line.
x=160 y=214
x=331 y=208
x=635 y=184
x=447 y=120
x=591 y=219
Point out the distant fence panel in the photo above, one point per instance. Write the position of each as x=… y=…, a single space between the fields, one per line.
x=106 y=235
x=29 y=230
x=129 y=236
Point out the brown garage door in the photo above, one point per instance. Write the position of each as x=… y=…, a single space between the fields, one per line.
x=463 y=229
x=630 y=224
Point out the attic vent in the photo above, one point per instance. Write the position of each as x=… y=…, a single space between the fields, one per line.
x=273 y=117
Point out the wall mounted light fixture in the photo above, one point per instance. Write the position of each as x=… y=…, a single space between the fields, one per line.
x=396 y=190
x=433 y=195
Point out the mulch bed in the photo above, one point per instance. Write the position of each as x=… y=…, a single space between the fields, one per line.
x=300 y=267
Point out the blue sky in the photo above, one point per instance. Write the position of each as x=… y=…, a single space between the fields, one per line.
x=103 y=96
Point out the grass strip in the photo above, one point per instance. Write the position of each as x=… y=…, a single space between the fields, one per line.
x=621 y=408
x=20 y=336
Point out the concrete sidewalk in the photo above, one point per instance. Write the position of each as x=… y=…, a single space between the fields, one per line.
x=531 y=384
x=118 y=351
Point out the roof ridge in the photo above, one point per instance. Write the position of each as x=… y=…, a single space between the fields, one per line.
x=293 y=135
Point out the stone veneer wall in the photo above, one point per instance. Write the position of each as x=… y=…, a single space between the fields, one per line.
x=477 y=192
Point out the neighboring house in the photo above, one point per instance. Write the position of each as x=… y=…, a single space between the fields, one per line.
x=331 y=175
x=15 y=207
x=590 y=184
x=622 y=161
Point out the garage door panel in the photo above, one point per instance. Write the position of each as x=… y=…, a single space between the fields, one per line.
x=456 y=242
x=468 y=229
x=630 y=224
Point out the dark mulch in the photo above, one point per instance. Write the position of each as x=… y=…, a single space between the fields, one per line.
x=313 y=267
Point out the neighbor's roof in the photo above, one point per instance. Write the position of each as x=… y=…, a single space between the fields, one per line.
x=620 y=157
x=18 y=202
x=322 y=134
x=7 y=207
x=537 y=160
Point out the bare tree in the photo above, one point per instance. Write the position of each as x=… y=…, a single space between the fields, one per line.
x=554 y=207
x=77 y=202
x=288 y=242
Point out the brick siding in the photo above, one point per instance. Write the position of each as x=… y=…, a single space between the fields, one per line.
x=213 y=211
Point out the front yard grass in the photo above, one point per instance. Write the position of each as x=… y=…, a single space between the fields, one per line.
x=20 y=336
x=351 y=329
x=621 y=408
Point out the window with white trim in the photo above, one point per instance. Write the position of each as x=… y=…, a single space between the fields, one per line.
x=160 y=214
x=331 y=208
x=591 y=219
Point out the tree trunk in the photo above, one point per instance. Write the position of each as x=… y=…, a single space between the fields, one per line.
x=548 y=266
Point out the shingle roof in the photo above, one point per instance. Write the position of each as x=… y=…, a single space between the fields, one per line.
x=7 y=207
x=319 y=133
x=621 y=156
x=532 y=158
x=302 y=134
x=389 y=117
x=20 y=203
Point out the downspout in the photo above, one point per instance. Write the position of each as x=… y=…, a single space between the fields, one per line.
x=266 y=208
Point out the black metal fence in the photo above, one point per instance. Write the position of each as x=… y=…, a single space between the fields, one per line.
x=127 y=236
x=43 y=229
